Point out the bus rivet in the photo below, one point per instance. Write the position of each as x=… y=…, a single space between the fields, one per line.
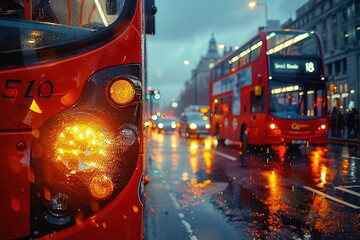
x=21 y=145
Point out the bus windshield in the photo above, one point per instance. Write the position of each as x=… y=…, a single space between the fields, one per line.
x=292 y=43
x=300 y=100
x=41 y=23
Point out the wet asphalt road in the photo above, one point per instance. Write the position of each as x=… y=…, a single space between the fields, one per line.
x=200 y=190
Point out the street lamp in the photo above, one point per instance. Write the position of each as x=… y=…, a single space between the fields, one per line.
x=253 y=4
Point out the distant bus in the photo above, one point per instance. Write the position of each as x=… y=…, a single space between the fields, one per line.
x=71 y=131
x=271 y=91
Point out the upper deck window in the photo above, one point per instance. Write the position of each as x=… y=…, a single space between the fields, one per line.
x=292 y=43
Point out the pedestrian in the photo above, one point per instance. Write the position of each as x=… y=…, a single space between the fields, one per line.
x=333 y=121
x=340 y=124
x=351 y=123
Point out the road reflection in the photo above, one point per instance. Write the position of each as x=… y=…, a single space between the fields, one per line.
x=265 y=193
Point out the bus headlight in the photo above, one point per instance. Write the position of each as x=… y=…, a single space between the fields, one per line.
x=323 y=127
x=160 y=125
x=80 y=155
x=272 y=126
x=207 y=126
x=82 y=147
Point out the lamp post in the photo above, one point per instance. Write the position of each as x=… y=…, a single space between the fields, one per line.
x=254 y=4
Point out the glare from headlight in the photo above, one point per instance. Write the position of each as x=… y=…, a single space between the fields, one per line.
x=160 y=125
x=207 y=126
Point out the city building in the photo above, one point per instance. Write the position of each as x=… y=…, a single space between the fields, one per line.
x=196 y=90
x=338 y=24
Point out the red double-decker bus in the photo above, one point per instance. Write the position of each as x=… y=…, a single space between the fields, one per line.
x=271 y=91
x=71 y=138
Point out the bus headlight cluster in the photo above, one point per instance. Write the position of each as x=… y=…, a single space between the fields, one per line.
x=82 y=151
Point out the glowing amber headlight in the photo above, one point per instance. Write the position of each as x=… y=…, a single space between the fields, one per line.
x=121 y=91
x=81 y=147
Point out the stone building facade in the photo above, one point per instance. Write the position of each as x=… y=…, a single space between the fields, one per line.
x=196 y=91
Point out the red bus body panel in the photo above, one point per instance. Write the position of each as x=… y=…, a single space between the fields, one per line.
x=121 y=217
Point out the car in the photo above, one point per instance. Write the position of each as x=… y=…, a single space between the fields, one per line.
x=165 y=125
x=194 y=124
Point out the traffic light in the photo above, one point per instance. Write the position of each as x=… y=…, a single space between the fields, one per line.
x=156 y=94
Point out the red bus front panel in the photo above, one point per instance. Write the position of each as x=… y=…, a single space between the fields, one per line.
x=71 y=131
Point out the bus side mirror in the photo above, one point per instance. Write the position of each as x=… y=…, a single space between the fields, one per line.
x=150 y=11
x=257 y=91
x=111 y=7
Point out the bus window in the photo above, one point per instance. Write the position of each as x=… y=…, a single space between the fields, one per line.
x=255 y=49
x=257 y=102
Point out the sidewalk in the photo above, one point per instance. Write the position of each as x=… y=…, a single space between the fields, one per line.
x=343 y=139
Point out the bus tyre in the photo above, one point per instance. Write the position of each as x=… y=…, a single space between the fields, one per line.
x=220 y=141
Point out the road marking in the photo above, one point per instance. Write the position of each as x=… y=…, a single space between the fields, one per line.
x=224 y=155
x=181 y=215
x=348 y=191
x=331 y=197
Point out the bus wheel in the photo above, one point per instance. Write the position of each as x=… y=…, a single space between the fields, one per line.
x=217 y=135
x=244 y=139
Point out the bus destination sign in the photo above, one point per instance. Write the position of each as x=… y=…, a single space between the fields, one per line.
x=307 y=67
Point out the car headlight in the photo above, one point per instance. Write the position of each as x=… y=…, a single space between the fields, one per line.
x=192 y=126
x=160 y=125
x=207 y=126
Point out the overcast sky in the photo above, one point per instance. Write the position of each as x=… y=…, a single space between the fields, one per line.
x=184 y=28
